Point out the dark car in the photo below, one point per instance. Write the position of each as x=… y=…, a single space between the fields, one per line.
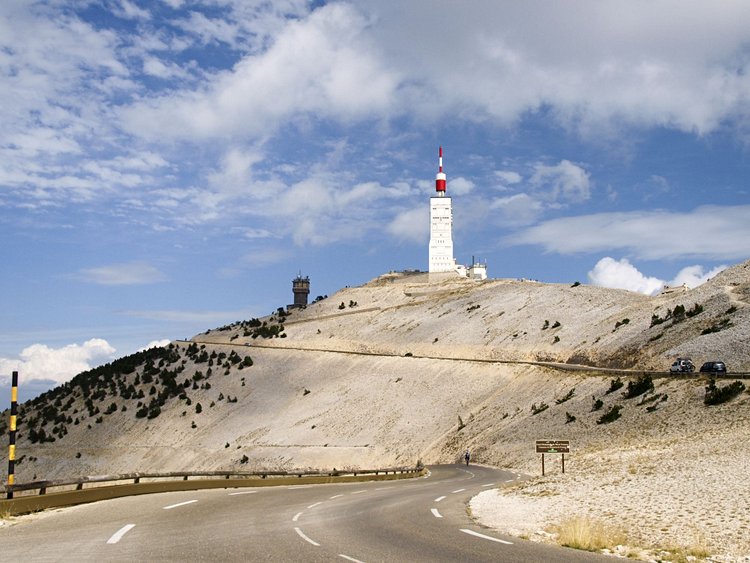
x=714 y=367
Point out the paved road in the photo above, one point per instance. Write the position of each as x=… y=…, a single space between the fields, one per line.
x=412 y=520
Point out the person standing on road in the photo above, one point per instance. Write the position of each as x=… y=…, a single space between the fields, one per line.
x=467 y=457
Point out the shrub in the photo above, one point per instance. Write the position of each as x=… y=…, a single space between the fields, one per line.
x=598 y=403
x=611 y=415
x=198 y=408
x=342 y=306
x=556 y=325
x=540 y=408
x=567 y=397
x=614 y=385
x=618 y=324
x=717 y=395
x=545 y=326
x=721 y=325
x=244 y=459
x=588 y=535
x=576 y=284
x=569 y=418
x=639 y=387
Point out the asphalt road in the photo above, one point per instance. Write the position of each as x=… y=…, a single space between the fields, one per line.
x=411 y=520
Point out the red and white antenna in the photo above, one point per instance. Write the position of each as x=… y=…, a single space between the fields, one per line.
x=440 y=178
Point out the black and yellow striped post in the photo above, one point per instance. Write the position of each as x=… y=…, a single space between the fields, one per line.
x=12 y=435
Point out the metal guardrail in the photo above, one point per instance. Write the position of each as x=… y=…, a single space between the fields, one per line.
x=79 y=483
x=70 y=492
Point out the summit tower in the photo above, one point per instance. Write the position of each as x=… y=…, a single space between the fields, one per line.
x=441 y=226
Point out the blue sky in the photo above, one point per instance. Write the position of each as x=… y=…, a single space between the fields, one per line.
x=169 y=167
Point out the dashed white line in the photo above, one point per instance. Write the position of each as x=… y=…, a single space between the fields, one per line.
x=117 y=536
x=383 y=488
x=510 y=480
x=350 y=558
x=435 y=513
x=336 y=496
x=489 y=485
x=439 y=498
x=296 y=517
x=301 y=534
x=359 y=492
x=171 y=506
x=457 y=491
x=243 y=493
x=315 y=504
x=477 y=534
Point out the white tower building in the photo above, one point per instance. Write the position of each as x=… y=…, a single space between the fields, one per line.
x=441 y=226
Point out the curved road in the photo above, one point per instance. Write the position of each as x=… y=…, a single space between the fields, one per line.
x=411 y=520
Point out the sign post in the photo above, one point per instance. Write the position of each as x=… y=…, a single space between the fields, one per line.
x=553 y=447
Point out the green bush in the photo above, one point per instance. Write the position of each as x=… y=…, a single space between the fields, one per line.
x=536 y=409
x=717 y=395
x=614 y=385
x=598 y=403
x=610 y=416
x=639 y=387
x=569 y=418
x=567 y=397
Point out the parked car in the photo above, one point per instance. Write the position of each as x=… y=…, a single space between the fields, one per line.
x=714 y=367
x=682 y=365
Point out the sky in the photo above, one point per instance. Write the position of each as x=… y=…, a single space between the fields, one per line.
x=169 y=166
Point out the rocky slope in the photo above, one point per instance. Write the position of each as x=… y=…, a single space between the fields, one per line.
x=410 y=368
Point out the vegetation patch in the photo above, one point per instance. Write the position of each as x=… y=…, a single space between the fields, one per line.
x=723 y=324
x=610 y=416
x=717 y=395
x=581 y=532
x=570 y=394
x=638 y=387
x=614 y=385
x=541 y=407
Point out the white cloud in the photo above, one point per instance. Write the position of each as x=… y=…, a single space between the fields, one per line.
x=508 y=177
x=589 y=64
x=324 y=65
x=131 y=273
x=711 y=232
x=517 y=209
x=693 y=276
x=411 y=225
x=460 y=186
x=39 y=361
x=565 y=181
x=156 y=344
x=621 y=274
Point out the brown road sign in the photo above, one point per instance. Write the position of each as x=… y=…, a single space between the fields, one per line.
x=553 y=446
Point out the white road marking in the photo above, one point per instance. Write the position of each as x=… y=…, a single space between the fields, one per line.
x=383 y=488
x=439 y=498
x=300 y=487
x=477 y=534
x=350 y=558
x=301 y=534
x=336 y=496
x=314 y=505
x=358 y=492
x=489 y=485
x=510 y=480
x=117 y=536
x=296 y=517
x=243 y=493
x=171 y=506
x=435 y=513
x=457 y=491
